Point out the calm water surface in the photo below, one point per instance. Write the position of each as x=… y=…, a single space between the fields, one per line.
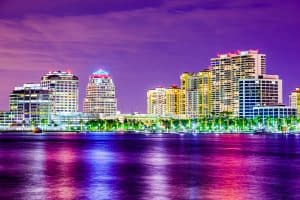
x=149 y=167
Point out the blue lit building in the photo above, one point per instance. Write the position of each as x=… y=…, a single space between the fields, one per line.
x=263 y=90
x=279 y=111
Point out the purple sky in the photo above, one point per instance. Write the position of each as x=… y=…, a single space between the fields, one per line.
x=142 y=43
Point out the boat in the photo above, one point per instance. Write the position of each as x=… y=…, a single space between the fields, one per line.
x=37 y=130
x=260 y=131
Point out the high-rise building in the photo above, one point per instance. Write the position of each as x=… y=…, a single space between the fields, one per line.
x=100 y=95
x=197 y=87
x=175 y=98
x=63 y=87
x=295 y=100
x=165 y=101
x=263 y=90
x=157 y=101
x=227 y=70
x=30 y=104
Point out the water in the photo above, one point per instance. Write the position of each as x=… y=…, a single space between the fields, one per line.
x=149 y=167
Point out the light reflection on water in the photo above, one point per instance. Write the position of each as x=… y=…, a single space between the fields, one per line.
x=147 y=167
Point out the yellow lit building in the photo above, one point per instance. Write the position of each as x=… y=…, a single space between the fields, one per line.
x=175 y=101
x=295 y=100
x=197 y=88
x=156 y=101
x=165 y=101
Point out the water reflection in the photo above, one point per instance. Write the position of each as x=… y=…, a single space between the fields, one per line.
x=60 y=172
x=157 y=161
x=148 y=167
x=100 y=177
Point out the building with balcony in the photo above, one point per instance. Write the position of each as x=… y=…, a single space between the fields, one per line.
x=100 y=96
x=227 y=70
x=63 y=87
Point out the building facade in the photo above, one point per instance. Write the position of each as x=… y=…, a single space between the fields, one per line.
x=166 y=101
x=6 y=119
x=63 y=87
x=100 y=95
x=30 y=105
x=175 y=101
x=279 y=111
x=264 y=90
x=227 y=70
x=197 y=87
x=157 y=101
x=295 y=100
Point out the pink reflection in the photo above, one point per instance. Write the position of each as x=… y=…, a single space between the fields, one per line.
x=60 y=182
x=231 y=180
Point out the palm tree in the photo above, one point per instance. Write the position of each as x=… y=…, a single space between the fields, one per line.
x=81 y=122
x=44 y=123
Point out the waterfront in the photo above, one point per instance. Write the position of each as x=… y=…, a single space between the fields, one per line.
x=137 y=166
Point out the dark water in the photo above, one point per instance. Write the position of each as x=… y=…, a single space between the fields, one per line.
x=148 y=167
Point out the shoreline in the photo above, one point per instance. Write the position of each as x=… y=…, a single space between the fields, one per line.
x=26 y=132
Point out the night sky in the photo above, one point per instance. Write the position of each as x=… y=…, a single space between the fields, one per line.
x=142 y=43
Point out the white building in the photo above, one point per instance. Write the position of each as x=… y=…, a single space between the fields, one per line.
x=100 y=95
x=30 y=105
x=63 y=87
x=227 y=70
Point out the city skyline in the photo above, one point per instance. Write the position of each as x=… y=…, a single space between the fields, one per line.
x=80 y=102
x=150 y=42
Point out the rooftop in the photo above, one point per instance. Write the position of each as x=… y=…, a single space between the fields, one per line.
x=101 y=73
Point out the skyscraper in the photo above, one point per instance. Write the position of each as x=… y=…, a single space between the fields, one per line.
x=263 y=90
x=156 y=101
x=197 y=87
x=63 y=87
x=175 y=98
x=100 y=95
x=165 y=101
x=227 y=70
x=295 y=100
x=30 y=104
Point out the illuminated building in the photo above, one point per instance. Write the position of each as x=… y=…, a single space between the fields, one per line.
x=165 y=101
x=278 y=111
x=264 y=90
x=6 y=119
x=174 y=101
x=63 y=87
x=157 y=101
x=227 y=70
x=30 y=104
x=197 y=87
x=100 y=95
x=295 y=100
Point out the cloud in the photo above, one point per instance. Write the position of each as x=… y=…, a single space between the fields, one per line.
x=152 y=40
x=42 y=39
x=20 y=8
